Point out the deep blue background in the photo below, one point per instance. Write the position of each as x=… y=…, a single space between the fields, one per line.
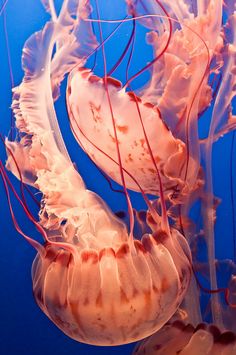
x=24 y=329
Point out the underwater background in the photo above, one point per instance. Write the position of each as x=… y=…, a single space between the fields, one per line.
x=24 y=329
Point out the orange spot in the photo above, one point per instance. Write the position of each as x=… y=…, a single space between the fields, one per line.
x=164 y=285
x=82 y=69
x=106 y=252
x=114 y=82
x=89 y=255
x=123 y=129
x=85 y=74
x=142 y=141
x=96 y=108
x=155 y=289
x=122 y=251
x=147 y=297
x=139 y=246
x=130 y=157
x=134 y=97
x=93 y=79
x=157 y=159
x=123 y=297
x=99 y=300
x=148 y=104
x=95 y=111
x=152 y=170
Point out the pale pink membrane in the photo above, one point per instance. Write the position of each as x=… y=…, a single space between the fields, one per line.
x=90 y=117
x=94 y=281
x=167 y=108
x=92 y=125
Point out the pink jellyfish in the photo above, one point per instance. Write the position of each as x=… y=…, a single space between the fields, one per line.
x=155 y=125
x=96 y=281
x=99 y=283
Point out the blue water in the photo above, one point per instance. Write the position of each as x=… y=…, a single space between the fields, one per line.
x=24 y=329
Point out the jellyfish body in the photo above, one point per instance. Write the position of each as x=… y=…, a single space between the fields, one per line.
x=97 y=282
x=181 y=338
x=90 y=118
x=156 y=126
x=111 y=296
x=91 y=276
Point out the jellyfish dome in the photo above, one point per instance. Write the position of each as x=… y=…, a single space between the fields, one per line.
x=108 y=278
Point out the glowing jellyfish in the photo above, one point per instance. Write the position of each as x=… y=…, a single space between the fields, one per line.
x=92 y=278
x=95 y=280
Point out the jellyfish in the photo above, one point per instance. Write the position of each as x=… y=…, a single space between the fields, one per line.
x=92 y=277
x=99 y=281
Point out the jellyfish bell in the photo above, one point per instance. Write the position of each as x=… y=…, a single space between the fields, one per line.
x=111 y=296
x=181 y=338
x=89 y=108
x=155 y=126
x=92 y=278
